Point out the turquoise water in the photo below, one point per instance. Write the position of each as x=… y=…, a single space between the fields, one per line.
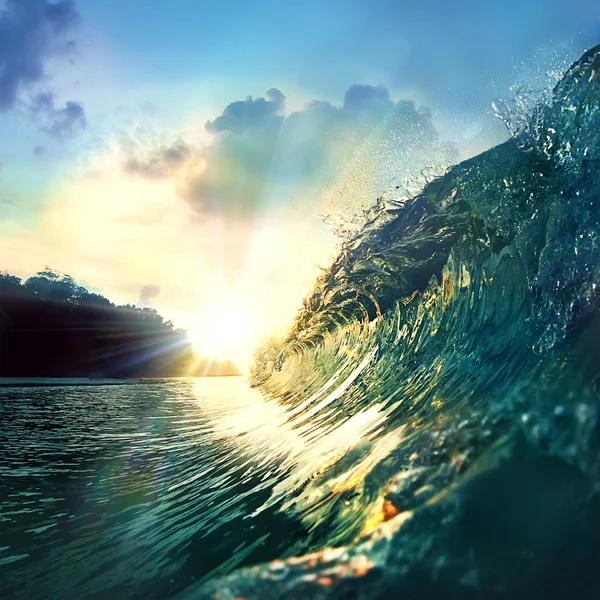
x=136 y=490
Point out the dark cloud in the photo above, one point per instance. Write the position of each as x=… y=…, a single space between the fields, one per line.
x=58 y=122
x=30 y=32
x=161 y=164
x=244 y=114
x=367 y=96
x=148 y=293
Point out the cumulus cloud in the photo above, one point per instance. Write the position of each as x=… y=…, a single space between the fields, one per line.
x=367 y=96
x=58 y=122
x=244 y=114
x=161 y=163
x=148 y=293
x=345 y=155
x=30 y=32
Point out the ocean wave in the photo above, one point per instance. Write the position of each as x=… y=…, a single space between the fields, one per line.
x=443 y=378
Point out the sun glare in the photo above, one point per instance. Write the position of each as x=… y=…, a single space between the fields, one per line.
x=224 y=331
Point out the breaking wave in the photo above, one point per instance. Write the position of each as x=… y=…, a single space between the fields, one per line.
x=444 y=372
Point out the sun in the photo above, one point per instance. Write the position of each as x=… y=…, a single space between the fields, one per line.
x=224 y=330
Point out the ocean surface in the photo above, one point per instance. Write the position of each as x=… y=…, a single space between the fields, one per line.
x=137 y=491
x=430 y=427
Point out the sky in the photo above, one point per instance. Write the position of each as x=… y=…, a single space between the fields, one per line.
x=206 y=158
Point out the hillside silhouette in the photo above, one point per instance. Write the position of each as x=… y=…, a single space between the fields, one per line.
x=52 y=327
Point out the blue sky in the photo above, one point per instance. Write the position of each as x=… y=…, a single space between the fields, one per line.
x=324 y=47
x=176 y=144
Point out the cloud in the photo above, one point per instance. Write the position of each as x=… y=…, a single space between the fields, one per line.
x=58 y=122
x=161 y=163
x=244 y=114
x=367 y=96
x=148 y=293
x=31 y=31
x=337 y=157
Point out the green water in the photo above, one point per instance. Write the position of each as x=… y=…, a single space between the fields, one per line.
x=137 y=490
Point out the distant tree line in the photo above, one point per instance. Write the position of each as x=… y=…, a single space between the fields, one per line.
x=52 y=327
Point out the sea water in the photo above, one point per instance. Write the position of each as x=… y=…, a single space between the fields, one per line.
x=136 y=490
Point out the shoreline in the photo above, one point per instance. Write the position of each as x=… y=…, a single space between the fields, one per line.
x=8 y=382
